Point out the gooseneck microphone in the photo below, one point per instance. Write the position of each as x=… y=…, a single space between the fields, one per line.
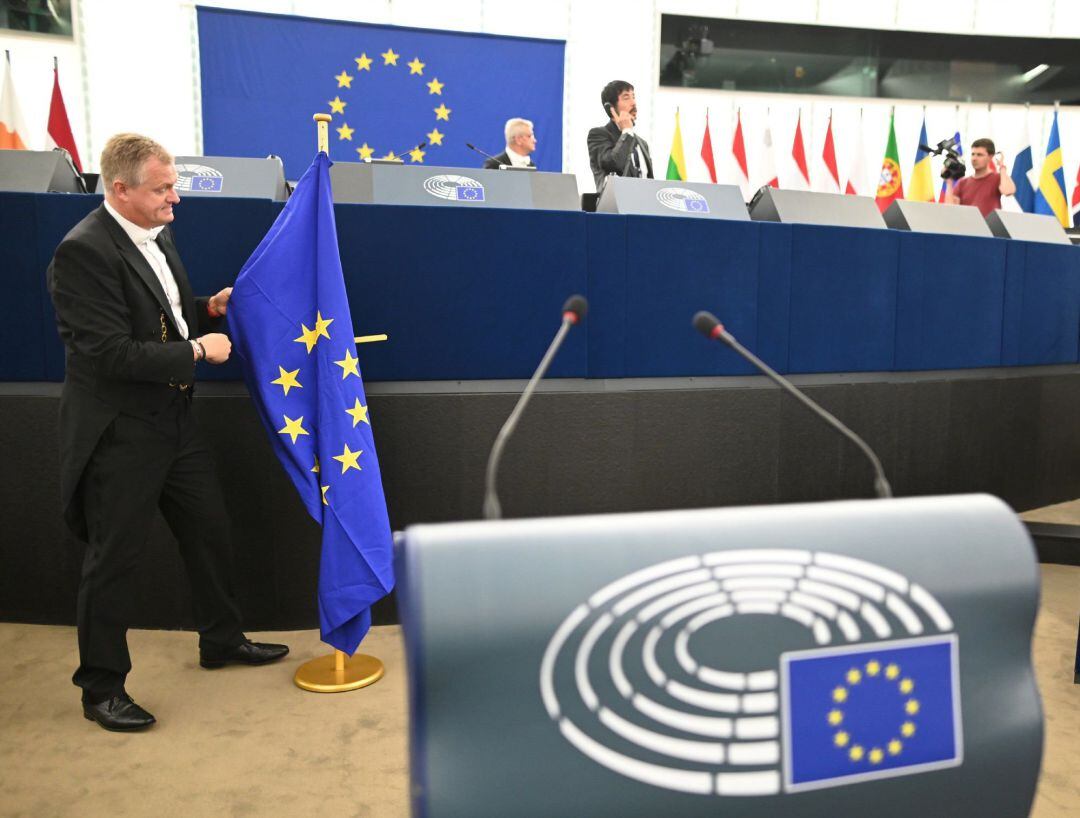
x=709 y=325
x=473 y=147
x=573 y=312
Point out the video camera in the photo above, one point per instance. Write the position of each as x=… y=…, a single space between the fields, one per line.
x=954 y=168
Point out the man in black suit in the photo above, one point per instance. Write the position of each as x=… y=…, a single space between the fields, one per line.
x=520 y=144
x=614 y=147
x=128 y=442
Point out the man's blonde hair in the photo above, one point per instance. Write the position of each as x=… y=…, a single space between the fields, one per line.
x=124 y=156
x=516 y=127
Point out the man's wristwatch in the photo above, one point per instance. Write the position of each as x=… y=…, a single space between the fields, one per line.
x=200 y=351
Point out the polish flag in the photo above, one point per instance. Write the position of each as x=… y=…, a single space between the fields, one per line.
x=59 y=127
x=798 y=153
x=768 y=163
x=856 y=181
x=738 y=153
x=706 y=150
x=830 y=179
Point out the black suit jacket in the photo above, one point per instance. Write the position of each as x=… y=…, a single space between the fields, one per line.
x=124 y=353
x=502 y=159
x=609 y=152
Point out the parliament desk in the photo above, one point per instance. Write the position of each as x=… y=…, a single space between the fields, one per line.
x=955 y=357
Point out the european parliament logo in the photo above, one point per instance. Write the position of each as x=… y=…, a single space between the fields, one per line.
x=682 y=199
x=455 y=188
x=642 y=678
x=201 y=178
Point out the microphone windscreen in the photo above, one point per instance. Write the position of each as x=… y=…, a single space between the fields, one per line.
x=705 y=323
x=577 y=305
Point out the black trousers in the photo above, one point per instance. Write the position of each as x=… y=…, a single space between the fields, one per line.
x=140 y=466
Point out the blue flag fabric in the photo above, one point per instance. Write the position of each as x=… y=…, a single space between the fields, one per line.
x=387 y=88
x=870 y=711
x=291 y=328
x=1025 y=193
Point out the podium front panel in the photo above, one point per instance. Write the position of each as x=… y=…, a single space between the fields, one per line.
x=371 y=183
x=228 y=177
x=1007 y=224
x=36 y=172
x=931 y=217
x=804 y=660
x=808 y=207
x=661 y=197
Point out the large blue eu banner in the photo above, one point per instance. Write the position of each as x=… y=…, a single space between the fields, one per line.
x=388 y=89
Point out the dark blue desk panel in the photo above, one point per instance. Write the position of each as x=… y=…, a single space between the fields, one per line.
x=843 y=296
x=950 y=301
x=468 y=294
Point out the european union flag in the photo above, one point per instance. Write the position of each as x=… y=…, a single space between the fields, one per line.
x=291 y=328
x=388 y=89
x=870 y=711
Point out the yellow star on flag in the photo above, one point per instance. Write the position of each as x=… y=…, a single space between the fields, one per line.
x=435 y=87
x=391 y=156
x=348 y=459
x=359 y=413
x=324 y=490
x=315 y=468
x=337 y=105
x=293 y=428
x=287 y=380
x=416 y=67
x=363 y=63
x=389 y=57
x=365 y=151
x=435 y=138
x=416 y=155
x=345 y=132
x=442 y=112
x=309 y=338
x=344 y=80
x=321 y=325
x=349 y=365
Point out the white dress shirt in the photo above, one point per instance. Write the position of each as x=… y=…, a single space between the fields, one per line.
x=145 y=240
x=516 y=159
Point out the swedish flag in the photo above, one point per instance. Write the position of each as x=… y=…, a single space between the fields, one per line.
x=1050 y=198
x=290 y=325
x=870 y=711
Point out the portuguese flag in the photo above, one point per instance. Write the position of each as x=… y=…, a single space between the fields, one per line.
x=676 y=164
x=891 y=184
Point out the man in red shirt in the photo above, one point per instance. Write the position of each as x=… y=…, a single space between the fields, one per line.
x=983 y=189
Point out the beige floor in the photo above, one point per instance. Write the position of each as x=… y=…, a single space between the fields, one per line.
x=246 y=742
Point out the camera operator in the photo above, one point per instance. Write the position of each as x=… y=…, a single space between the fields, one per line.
x=982 y=189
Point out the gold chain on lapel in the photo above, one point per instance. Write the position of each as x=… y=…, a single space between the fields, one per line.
x=164 y=329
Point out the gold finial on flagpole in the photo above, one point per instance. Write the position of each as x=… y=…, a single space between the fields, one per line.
x=335 y=672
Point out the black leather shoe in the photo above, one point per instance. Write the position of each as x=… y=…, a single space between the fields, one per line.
x=119 y=713
x=246 y=653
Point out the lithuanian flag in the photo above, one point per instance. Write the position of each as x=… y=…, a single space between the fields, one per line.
x=676 y=163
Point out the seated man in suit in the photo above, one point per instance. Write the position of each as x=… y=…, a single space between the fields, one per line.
x=614 y=147
x=520 y=143
x=129 y=443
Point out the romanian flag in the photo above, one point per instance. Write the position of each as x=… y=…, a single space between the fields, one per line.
x=891 y=183
x=676 y=164
x=1050 y=197
x=922 y=177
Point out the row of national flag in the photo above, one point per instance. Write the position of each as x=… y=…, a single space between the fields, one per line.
x=14 y=135
x=1037 y=191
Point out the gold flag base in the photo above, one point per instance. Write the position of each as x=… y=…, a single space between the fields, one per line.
x=336 y=673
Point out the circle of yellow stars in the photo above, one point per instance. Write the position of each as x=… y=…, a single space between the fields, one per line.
x=289 y=379
x=843 y=740
x=389 y=60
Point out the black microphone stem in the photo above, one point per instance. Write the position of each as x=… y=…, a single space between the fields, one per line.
x=492 y=509
x=881 y=484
